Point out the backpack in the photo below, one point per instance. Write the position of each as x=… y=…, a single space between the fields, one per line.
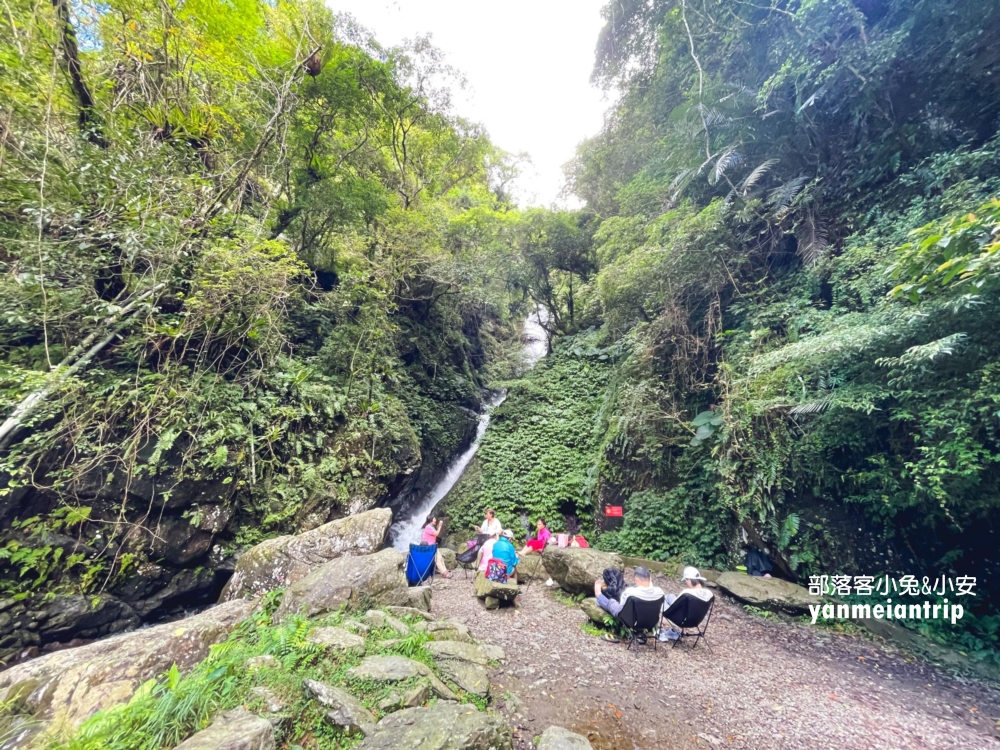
x=614 y=583
x=496 y=570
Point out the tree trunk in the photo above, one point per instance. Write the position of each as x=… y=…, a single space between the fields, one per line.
x=90 y=122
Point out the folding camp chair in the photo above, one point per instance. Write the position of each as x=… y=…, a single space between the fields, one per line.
x=468 y=557
x=420 y=563
x=641 y=618
x=689 y=613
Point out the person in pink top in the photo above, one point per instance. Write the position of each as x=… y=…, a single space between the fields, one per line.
x=430 y=536
x=541 y=539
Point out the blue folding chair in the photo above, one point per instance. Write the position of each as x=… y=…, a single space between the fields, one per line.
x=420 y=563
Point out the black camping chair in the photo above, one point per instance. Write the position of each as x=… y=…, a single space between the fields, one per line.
x=689 y=613
x=641 y=618
x=468 y=556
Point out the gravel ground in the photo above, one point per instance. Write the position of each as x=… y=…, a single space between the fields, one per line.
x=766 y=683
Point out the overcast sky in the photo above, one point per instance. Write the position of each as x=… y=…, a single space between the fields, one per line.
x=528 y=66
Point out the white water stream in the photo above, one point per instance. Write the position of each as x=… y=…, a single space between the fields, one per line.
x=407 y=531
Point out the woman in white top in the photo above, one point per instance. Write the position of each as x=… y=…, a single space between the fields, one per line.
x=491 y=525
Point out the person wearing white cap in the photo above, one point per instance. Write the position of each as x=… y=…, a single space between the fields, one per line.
x=692 y=579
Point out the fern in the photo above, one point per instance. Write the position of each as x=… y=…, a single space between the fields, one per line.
x=755 y=176
x=812 y=236
x=782 y=196
x=727 y=160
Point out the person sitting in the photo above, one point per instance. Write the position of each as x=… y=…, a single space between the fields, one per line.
x=503 y=550
x=486 y=552
x=542 y=538
x=692 y=579
x=491 y=525
x=432 y=530
x=643 y=589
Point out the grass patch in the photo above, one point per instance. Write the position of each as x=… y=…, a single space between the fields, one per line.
x=167 y=710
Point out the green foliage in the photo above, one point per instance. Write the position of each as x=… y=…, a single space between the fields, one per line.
x=542 y=443
x=167 y=710
x=799 y=275
x=272 y=279
x=957 y=256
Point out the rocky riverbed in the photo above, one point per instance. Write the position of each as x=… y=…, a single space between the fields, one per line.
x=322 y=643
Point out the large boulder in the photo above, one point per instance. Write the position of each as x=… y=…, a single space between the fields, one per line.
x=443 y=726
x=575 y=570
x=769 y=593
x=532 y=568
x=64 y=688
x=396 y=669
x=557 y=738
x=286 y=559
x=497 y=592
x=351 y=582
x=345 y=711
x=237 y=729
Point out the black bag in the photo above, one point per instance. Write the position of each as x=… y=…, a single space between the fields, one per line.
x=614 y=583
x=469 y=556
x=757 y=562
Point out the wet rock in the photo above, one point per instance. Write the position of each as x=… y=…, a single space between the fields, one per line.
x=444 y=726
x=337 y=640
x=575 y=570
x=66 y=617
x=769 y=593
x=398 y=668
x=237 y=729
x=180 y=540
x=345 y=711
x=350 y=582
x=153 y=589
x=72 y=685
x=287 y=559
x=557 y=738
x=503 y=592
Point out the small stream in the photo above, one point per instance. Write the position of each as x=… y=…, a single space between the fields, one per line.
x=407 y=530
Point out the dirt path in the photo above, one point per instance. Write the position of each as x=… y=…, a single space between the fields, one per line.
x=765 y=684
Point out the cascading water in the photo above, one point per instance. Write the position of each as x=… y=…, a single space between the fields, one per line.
x=407 y=531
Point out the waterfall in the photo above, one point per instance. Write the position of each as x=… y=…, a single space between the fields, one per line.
x=407 y=531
